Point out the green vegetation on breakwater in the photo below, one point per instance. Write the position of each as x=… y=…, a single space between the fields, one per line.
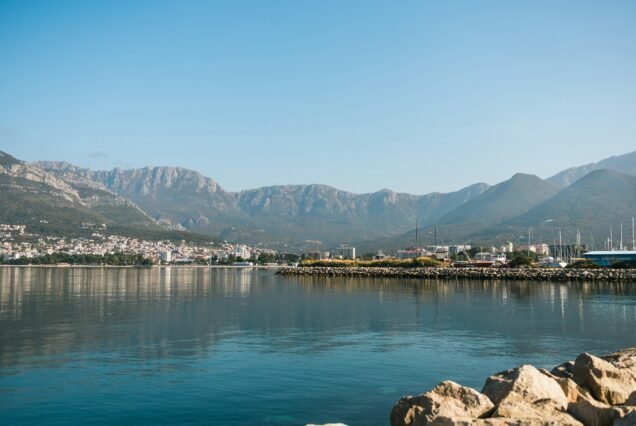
x=420 y=262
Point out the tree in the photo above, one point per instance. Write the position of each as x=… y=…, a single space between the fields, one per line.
x=520 y=260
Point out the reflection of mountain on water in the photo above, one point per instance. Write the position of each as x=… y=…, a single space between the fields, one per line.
x=176 y=312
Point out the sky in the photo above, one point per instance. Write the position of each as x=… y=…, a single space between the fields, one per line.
x=415 y=96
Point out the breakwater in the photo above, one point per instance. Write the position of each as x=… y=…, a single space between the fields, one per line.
x=524 y=274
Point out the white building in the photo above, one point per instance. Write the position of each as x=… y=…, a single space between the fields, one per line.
x=346 y=252
x=540 y=249
x=453 y=250
x=243 y=252
x=166 y=256
x=438 y=252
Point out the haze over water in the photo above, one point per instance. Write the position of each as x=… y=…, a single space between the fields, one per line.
x=228 y=346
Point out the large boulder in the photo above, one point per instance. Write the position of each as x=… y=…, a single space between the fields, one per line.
x=583 y=407
x=625 y=358
x=540 y=410
x=448 y=400
x=525 y=383
x=611 y=382
x=595 y=413
x=526 y=394
x=573 y=391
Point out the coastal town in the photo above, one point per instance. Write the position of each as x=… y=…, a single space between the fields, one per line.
x=16 y=243
x=19 y=246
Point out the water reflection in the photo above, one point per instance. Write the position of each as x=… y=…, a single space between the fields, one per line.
x=173 y=312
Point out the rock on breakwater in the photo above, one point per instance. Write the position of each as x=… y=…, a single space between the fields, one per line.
x=590 y=391
x=525 y=274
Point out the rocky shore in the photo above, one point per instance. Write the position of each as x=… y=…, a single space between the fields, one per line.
x=590 y=391
x=525 y=274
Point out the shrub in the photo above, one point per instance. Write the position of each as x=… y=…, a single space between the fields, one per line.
x=583 y=264
x=520 y=260
x=628 y=264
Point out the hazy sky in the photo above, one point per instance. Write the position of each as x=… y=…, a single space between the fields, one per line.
x=415 y=96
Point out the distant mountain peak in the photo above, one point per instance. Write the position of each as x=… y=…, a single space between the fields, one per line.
x=625 y=163
x=502 y=201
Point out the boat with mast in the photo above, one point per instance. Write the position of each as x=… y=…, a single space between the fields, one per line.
x=555 y=262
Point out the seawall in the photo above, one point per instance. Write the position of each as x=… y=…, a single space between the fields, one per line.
x=524 y=274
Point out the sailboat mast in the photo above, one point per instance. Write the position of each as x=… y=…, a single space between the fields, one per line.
x=416 y=239
x=633 y=239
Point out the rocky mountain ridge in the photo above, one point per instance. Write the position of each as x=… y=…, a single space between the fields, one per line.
x=15 y=168
x=65 y=203
x=285 y=212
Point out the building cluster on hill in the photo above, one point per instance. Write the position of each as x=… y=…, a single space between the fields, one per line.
x=13 y=246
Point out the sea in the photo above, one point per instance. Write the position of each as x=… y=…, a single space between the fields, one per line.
x=214 y=346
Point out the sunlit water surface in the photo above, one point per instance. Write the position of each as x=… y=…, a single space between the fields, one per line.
x=229 y=347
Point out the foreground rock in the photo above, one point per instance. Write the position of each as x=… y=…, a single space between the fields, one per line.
x=446 y=400
x=591 y=391
x=527 y=394
x=606 y=381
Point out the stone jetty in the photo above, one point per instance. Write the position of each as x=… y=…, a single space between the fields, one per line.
x=590 y=391
x=524 y=274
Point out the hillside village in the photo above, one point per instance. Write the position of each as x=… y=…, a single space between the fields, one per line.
x=17 y=244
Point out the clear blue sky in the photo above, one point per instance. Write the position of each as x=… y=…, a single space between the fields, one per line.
x=415 y=96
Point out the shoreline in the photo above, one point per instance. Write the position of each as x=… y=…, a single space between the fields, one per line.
x=143 y=267
x=522 y=274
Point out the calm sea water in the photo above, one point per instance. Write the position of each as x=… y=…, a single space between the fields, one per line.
x=233 y=347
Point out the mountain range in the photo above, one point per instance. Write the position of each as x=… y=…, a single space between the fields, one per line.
x=59 y=197
x=281 y=214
